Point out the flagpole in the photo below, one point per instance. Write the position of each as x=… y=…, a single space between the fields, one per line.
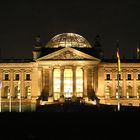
x=19 y=95
x=118 y=69
x=118 y=92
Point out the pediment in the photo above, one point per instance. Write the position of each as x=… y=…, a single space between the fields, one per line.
x=68 y=54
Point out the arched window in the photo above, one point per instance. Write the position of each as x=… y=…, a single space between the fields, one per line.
x=120 y=91
x=56 y=84
x=68 y=83
x=28 y=92
x=79 y=82
x=108 y=92
x=6 y=91
x=16 y=92
x=129 y=92
x=138 y=91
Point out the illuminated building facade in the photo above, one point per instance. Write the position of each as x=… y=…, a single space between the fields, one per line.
x=66 y=67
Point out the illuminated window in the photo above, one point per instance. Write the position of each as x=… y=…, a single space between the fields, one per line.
x=107 y=91
x=129 y=76
x=6 y=91
x=129 y=92
x=6 y=77
x=17 y=77
x=138 y=76
x=15 y=95
x=138 y=91
x=68 y=83
x=28 y=92
x=28 y=77
x=79 y=82
x=107 y=76
x=120 y=91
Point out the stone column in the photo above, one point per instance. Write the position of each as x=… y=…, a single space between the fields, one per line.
x=94 y=74
x=62 y=81
x=40 y=79
x=101 y=82
x=34 y=82
x=134 y=92
x=51 y=81
x=43 y=78
x=95 y=78
x=85 y=81
x=74 y=80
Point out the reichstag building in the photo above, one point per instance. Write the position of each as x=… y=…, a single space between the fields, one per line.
x=69 y=67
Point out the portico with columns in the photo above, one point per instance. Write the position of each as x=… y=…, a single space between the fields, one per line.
x=68 y=78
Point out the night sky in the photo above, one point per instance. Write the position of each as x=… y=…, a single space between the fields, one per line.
x=113 y=20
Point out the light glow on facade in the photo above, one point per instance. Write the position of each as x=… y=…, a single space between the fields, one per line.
x=68 y=83
x=79 y=82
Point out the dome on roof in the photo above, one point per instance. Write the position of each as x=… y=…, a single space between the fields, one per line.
x=68 y=40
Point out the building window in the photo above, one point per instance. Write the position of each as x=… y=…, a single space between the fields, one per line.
x=107 y=92
x=129 y=92
x=6 y=91
x=138 y=92
x=28 y=92
x=118 y=92
x=129 y=76
x=28 y=77
x=107 y=76
x=138 y=76
x=16 y=91
x=17 y=77
x=6 y=77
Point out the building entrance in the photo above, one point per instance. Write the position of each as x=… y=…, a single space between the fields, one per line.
x=68 y=83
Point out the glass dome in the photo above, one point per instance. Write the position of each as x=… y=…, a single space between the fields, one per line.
x=68 y=40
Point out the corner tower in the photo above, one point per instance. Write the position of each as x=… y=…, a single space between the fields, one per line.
x=37 y=48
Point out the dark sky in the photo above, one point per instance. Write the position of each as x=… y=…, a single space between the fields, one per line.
x=21 y=21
